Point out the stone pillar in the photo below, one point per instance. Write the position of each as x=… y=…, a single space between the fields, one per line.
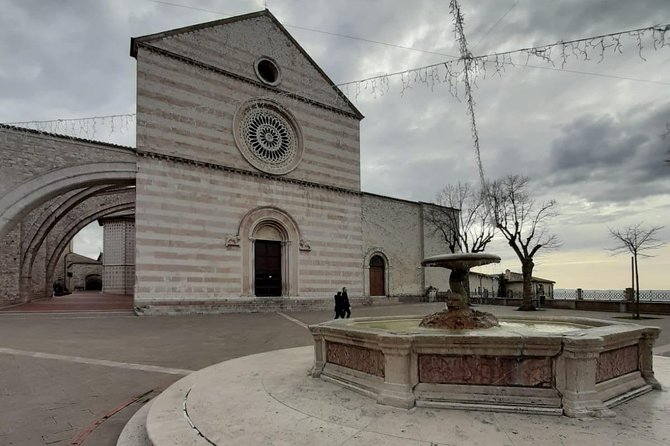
x=400 y=375
x=629 y=295
x=319 y=352
x=646 y=356
x=577 y=382
x=10 y=259
x=118 y=270
x=579 y=294
x=26 y=289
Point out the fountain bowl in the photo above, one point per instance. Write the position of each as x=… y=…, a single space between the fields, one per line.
x=550 y=365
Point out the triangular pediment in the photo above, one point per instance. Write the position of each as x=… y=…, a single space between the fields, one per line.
x=234 y=46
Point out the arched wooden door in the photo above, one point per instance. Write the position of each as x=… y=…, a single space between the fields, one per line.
x=377 y=276
x=267 y=264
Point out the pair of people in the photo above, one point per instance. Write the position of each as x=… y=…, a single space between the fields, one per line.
x=342 y=306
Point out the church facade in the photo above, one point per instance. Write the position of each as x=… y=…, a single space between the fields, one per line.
x=248 y=181
x=247 y=185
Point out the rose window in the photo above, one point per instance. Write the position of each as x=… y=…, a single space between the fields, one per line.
x=268 y=137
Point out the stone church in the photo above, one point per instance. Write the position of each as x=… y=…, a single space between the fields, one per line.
x=247 y=188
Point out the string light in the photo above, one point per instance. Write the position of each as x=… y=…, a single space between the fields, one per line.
x=85 y=128
x=450 y=74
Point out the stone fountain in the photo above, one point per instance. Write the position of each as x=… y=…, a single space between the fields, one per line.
x=458 y=314
x=547 y=365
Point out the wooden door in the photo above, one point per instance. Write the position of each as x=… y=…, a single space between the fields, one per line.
x=377 y=279
x=267 y=263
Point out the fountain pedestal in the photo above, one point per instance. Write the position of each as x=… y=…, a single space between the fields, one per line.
x=458 y=314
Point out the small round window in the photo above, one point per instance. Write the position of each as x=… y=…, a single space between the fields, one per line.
x=267 y=71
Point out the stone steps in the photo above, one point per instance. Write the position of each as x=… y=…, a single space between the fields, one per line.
x=268 y=398
x=135 y=431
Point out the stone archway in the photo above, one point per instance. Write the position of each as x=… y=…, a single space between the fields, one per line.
x=377 y=272
x=270 y=222
x=89 y=200
x=54 y=255
x=93 y=282
x=17 y=203
x=49 y=237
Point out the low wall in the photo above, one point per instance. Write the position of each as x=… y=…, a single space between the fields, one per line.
x=262 y=305
x=612 y=306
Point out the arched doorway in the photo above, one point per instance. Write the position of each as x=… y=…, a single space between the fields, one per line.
x=269 y=231
x=268 y=261
x=377 y=276
x=93 y=282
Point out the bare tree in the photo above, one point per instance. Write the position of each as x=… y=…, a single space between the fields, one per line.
x=636 y=239
x=523 y=224
x=463 y=220
x=469 y=230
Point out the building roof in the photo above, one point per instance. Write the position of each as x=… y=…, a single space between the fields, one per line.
x=136 y=42
x=513 y=277
x=70 y=138
x=73 y=257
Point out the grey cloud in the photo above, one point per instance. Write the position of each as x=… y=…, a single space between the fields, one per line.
x=619 y=157
x=537 y=23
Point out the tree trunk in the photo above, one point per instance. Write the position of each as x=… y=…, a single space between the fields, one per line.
x=527 y=272
x=637 y=290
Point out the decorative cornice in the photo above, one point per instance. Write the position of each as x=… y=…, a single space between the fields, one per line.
x=205 y=66
x=214 y=166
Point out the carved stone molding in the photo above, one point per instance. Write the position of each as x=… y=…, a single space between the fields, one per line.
x=232 y=241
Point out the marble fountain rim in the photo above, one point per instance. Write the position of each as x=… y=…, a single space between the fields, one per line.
x=586 y=328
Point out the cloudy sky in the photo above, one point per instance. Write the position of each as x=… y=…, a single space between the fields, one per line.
x=589 y=135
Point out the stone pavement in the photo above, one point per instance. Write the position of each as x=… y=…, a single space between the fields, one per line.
x=78 y=301
x=282 y=405
x=62 y=373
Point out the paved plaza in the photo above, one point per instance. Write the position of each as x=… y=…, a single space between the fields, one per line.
x=76 y=376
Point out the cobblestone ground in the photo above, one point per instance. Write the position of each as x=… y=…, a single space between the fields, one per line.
x=72 y=377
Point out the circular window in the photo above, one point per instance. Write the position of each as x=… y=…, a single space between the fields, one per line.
x=268 y=137
x=267 y=71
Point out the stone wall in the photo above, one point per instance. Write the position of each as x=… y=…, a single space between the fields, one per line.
x=9 y=267
x=193 y=119
x=36 y=167
x=192 y=246
x=434 y=244
x=80 y=271
x=397 y=229
x=236 y=44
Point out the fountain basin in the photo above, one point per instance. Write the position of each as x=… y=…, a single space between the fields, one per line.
x=550 y=365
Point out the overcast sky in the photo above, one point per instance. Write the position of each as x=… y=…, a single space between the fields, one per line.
x=594 y=142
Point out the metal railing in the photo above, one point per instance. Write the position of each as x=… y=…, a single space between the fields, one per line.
x=610 y=295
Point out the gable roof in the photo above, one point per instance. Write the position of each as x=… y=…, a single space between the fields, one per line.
x=136 y=42
x=73 y=257
x=518 y=277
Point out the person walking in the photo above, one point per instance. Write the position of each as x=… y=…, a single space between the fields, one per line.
x=339 y=312
x=346 y=307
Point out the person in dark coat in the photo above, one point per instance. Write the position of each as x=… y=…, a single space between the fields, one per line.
x=346 y=307
x=339 y=312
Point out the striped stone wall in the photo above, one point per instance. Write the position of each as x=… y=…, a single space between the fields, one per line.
x=235 y=46
x=186 y=111
x=199 y=200
x=190 y=250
